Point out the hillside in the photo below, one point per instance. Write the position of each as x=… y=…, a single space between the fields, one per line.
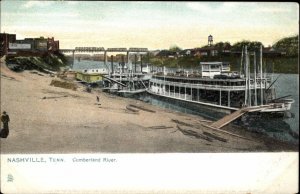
x=277 y=63
x=289 y=45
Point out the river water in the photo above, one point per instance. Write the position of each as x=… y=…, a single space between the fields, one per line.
x=284 y=129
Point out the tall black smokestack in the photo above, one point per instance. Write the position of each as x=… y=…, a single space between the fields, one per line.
x=112 y=63
x=135 y=59
x=141 y=63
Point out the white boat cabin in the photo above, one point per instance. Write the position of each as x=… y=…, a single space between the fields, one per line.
x=210 y=69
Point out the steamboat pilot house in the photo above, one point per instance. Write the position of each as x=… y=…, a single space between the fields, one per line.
x=210 y=69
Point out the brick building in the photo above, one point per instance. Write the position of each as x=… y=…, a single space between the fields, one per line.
x=52 y=45
x=9 y=45
x=41 y=44
x=5 y=39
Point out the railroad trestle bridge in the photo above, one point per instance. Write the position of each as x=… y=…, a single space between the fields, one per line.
x=139 y=51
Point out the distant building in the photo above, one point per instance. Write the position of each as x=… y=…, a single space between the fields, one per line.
x=167 y=53
x=185 y=52
x=205 y=51
x=26 y=41
x=41 y=44
x=27 y=46
x=196 y=52
x=14 y=47
x=212 y=50
x=52 y=45
x=5 y=39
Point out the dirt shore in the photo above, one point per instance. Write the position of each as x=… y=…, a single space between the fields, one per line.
x=48 y=119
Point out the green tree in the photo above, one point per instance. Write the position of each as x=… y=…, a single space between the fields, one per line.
x=175 y=48
x=147 y=57
x=220 y=46
x=251 y=45
x=289 y=45
x=156 y=61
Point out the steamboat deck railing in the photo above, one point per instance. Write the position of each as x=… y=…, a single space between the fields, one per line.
x=204 y=86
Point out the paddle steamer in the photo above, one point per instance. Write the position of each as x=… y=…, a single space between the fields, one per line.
x=216 y=87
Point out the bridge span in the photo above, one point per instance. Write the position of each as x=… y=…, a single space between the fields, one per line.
x=105 y=51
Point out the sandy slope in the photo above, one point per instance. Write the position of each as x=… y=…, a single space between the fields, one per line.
x=69 y=121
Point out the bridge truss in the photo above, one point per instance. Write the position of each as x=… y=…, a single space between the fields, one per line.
x=139 y=51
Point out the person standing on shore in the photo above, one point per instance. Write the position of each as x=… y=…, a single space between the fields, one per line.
x=98 y=100
x=4 y=119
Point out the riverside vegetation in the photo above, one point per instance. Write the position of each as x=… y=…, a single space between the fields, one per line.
x=287 y=63
x=42 y=62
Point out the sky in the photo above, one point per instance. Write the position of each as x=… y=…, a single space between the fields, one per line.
x=146 y=24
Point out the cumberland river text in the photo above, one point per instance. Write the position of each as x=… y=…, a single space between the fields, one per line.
x=57 y=159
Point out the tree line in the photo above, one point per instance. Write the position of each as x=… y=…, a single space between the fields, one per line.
x=287 y=44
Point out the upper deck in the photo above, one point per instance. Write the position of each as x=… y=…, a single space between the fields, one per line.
x=209 y=83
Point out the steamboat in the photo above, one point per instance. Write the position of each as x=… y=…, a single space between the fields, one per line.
x=126 y=82
x=217 y=88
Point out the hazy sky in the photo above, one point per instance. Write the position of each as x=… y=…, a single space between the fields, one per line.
x=155 y=25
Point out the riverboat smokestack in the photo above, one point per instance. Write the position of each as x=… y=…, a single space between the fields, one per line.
x=123 y=63
x=135 y=59
x=141 y=63
x=112 y=63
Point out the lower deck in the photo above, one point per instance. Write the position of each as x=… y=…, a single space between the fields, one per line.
x=220 y=98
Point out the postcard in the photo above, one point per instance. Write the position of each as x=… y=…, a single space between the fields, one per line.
x=149 y=97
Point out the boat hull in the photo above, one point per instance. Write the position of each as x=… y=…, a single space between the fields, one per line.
x=130 y=93
x=274 y=110
x=194 y=105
